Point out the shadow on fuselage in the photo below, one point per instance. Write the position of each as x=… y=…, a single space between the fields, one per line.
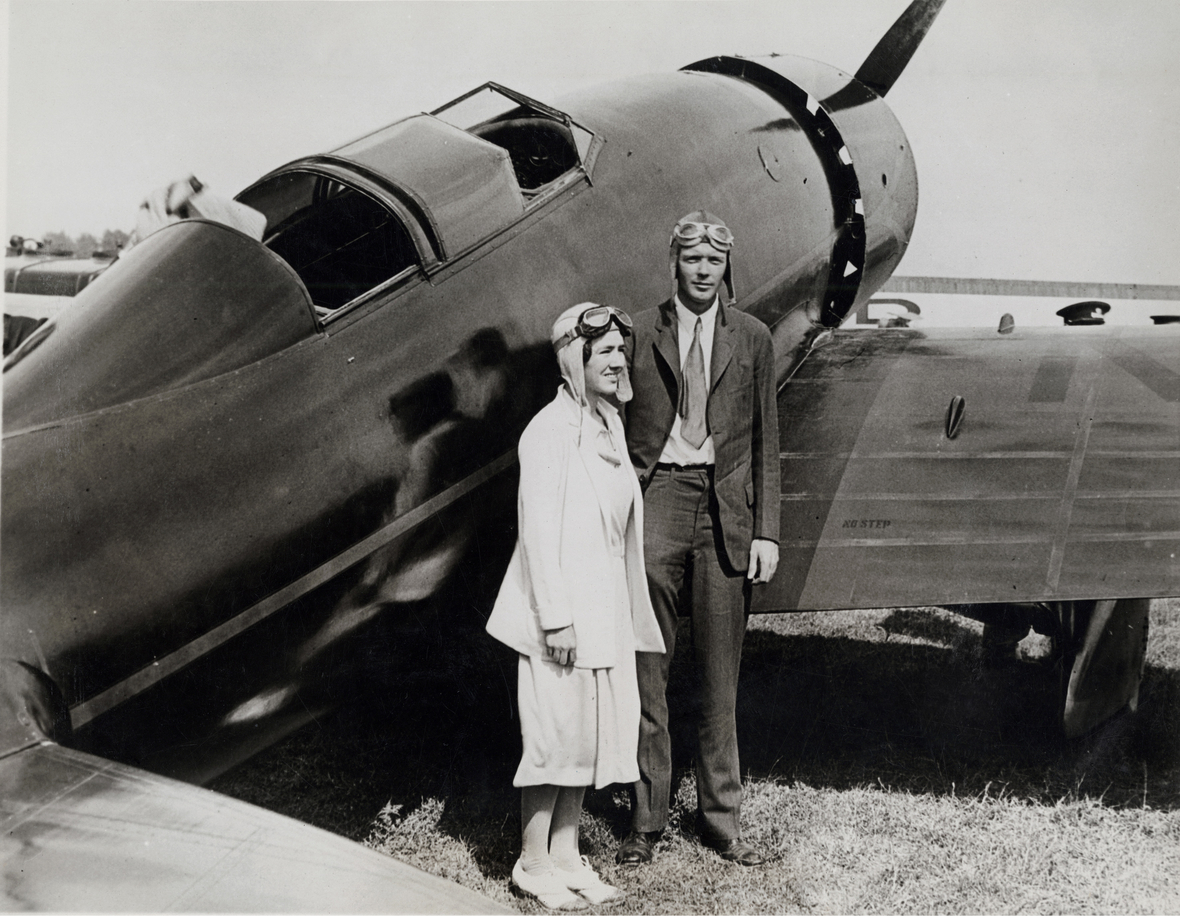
x=328 y=648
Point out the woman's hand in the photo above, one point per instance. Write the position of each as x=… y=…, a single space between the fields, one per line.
x=561 y=645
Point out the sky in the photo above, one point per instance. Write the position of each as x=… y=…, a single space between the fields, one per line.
x=1045 y=131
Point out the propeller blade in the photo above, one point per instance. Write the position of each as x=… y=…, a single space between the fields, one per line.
x=886 y=61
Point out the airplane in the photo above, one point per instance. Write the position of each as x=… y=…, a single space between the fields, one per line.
x=230 y=463
x=38 y=283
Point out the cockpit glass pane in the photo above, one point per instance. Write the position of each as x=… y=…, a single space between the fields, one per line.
x=485 y=104
x=545 y=146
x=340 y=241
x=582 y=139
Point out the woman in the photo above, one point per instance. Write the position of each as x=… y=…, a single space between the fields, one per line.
x=575 y=605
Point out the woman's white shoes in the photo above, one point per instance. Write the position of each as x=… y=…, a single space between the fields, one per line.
x=560 y=889
x=586 y=882
x=548 y=888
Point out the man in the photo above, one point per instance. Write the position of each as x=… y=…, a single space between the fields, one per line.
x=702 y=432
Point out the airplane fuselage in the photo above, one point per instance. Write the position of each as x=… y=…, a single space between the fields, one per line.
x=186 y=487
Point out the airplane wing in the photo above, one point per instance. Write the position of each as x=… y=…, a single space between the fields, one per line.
x=78 y=833
x=1061 y=481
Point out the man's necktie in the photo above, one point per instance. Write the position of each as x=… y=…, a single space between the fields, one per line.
x=693 y=394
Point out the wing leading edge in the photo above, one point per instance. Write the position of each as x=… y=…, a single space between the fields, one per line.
x=78 y=833
x=1061 y=483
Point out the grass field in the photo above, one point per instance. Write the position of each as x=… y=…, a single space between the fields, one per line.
x=886 y=771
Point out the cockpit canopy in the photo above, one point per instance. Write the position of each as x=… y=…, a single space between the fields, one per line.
x=418 y=193
x=544 y=144
x=204 y=299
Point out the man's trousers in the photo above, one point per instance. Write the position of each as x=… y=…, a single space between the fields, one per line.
x=687 y=571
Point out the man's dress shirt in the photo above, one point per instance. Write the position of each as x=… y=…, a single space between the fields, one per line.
x=677 y=450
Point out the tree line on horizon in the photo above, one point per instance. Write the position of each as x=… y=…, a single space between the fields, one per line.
x=86 y=244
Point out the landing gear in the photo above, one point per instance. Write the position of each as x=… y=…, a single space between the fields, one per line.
x=1101 y=647
x=1098 y=651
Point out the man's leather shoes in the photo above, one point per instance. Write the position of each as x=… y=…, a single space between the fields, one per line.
x=637 y=849
x=736 y=850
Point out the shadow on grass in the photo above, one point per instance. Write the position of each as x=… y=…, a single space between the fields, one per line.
x=434 y=718
x=839 y=712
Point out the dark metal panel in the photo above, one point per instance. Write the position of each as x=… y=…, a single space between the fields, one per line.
x=784 y=226
x=811 y=476
x=1121 y=563
x=859 y=574
x=1151 y=432
x=1131 y=359
x=1099 y=514
x=866 y=136
x=1071 y=497
x=1011 y=476
x=996 y=430
x=966 y=519
x=803 y=520
x=1128 y=472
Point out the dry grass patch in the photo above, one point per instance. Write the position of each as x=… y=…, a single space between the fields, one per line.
x=866 y=851
x=871 y=851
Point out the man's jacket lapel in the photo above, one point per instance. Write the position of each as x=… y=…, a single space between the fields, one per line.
x=668 y=340
x=722 y=349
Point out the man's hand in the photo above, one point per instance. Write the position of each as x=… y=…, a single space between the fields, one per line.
x=561 y=645
x=763 y=561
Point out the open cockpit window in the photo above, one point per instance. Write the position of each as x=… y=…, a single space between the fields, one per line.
x=546 y=147
x=339 y=240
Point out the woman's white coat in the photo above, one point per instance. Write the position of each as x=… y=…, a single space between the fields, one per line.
x=560 y=571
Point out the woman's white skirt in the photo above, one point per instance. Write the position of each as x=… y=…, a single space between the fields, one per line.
x=580 y=726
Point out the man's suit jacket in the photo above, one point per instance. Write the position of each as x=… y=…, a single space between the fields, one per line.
x=742 y=417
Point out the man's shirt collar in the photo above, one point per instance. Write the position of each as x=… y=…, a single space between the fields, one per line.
x=688 y=319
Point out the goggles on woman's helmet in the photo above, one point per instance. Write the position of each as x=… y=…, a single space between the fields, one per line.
x=594 y=322
x=688 y=233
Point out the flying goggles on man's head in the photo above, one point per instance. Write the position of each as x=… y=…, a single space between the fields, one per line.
x=702 y=226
